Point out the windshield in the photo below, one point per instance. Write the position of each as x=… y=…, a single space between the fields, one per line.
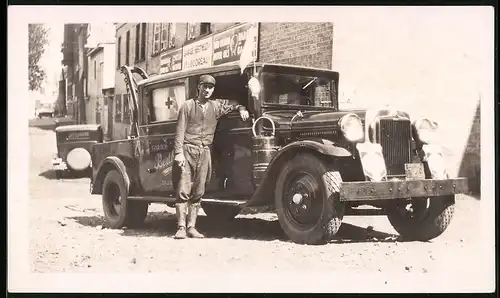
x=291 y=89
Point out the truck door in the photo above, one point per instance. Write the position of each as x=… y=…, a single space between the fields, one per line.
x=158 y=135
x=232 y=155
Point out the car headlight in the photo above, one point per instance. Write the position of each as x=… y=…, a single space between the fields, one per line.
x=426 y=130
x=352 y=127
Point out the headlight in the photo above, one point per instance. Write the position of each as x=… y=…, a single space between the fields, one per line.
x=352 y=127
x=426 y=130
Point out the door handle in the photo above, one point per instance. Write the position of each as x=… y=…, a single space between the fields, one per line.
x=151 y=170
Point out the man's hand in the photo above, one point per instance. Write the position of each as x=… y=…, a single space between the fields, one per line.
x=180 y=160
x=244 y=115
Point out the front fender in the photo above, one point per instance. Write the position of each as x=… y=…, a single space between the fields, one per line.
x=110 y=163
x=322 y=146
x=261 y=195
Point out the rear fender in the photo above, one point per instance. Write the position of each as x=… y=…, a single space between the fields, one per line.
x=265 y=193
x=122 y=165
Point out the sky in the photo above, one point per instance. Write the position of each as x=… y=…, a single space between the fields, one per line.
x=51 y=59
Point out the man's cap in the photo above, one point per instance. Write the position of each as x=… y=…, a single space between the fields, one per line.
x=207 y=79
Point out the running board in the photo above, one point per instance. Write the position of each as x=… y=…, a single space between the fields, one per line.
x=153 y=199
x=172 y=199
x=223 y=202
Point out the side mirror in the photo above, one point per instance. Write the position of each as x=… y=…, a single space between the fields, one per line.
x=254 y=86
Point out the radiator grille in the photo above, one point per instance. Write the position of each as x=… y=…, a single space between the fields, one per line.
x=394 y=136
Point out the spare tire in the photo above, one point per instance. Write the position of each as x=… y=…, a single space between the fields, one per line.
x=78 y=159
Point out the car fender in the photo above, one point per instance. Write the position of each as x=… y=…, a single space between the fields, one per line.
x=320 y=146
x=109 y=163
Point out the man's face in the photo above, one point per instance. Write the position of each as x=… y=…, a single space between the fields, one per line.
x=206 y=90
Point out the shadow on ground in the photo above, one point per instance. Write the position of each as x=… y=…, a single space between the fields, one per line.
x=51 y=175
x=163 y=224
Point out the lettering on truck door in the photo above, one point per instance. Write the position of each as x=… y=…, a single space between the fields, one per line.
x=157 y=160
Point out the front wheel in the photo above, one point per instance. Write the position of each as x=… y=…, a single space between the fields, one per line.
x=118 y=210
x=421 y=219
x=307 y=200
x=221 y=212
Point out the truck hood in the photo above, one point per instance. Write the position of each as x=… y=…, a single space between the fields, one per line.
x=323 y=119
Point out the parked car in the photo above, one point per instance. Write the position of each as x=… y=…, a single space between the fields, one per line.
x=45 y=110
x=298 y=153
x=74 y=144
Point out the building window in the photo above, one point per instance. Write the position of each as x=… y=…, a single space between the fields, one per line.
x=95 y=70
x=191 y=32
x=127 y=49
x=171 y=35
x=98 y=111
x=156 y=38
x=118 y=108
x=126 y=110
x=164 y=36
x=118 y=56
x=137 y=42
x=101 y=76
x=143 y=42
x=161 y=41
x=204 y=28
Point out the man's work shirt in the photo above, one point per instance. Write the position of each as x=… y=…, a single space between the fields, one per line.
x=196 y=123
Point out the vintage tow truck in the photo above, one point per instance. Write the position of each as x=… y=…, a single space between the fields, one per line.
x=298 y=153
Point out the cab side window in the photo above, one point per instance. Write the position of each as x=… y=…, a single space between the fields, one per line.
x=166 y=102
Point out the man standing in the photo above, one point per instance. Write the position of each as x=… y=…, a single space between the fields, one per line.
x=196 y=125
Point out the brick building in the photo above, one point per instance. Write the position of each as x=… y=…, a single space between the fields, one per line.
x=167 y=47
x=75 y=65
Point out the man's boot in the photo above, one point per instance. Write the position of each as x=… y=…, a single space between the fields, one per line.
x=191 y=221
x=181 y=211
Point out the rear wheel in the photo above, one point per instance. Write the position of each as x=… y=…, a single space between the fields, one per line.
x=221 y=212
x=118 y=210
x=421 y=219
x=307 y=200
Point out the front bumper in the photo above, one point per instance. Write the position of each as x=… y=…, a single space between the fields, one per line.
x=367 y=190
x=58 y=164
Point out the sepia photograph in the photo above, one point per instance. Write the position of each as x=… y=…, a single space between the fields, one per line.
x=265 y=149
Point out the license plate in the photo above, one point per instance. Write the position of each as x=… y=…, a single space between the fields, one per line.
x=414 y=171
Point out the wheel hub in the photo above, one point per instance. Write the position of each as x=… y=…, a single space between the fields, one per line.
x=415 y=208
x=300 y=199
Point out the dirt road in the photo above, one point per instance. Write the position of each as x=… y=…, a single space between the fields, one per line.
x=67 y=235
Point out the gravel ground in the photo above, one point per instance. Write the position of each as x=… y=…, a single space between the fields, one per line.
x=66 y=234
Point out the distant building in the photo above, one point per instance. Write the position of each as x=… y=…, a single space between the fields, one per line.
x=101 y=54
x=75 y=63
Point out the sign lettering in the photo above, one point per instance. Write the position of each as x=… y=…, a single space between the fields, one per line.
x=171 y=61
x=228 y=46
x=78 y=135
x=155 y=147
x=197 y=54
x=162 y=161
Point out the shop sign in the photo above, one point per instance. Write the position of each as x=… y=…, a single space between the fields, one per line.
x=171 y=61
x=228 y=45
x=197 y=54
